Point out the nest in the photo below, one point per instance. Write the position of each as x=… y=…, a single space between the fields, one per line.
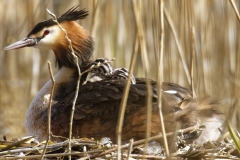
x=183 y=146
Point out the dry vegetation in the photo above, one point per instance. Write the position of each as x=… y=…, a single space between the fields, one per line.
x=200 y=48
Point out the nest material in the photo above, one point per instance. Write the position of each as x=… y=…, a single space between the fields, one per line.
x=30 y=148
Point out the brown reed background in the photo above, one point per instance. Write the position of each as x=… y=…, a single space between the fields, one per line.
x=206 y=32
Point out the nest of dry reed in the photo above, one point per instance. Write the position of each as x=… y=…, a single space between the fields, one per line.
x=84 y=148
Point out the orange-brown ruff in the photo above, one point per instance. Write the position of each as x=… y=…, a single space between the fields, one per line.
x=97 y=105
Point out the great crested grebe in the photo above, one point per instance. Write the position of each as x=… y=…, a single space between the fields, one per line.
x=100 y=93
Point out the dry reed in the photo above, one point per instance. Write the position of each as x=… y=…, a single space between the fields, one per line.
x=206 y=60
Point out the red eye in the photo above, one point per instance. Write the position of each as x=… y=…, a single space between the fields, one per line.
x=46 y=32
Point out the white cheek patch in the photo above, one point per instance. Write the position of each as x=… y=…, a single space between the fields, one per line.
x=48 y=41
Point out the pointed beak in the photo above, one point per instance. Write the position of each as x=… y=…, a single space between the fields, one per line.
x=26 y=42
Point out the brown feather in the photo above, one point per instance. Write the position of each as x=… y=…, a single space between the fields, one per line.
x=82 y=44
x=96 y=112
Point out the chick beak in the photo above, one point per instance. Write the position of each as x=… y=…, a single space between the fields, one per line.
x=26 y=42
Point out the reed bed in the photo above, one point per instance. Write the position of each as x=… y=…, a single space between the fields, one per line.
x=191 y=43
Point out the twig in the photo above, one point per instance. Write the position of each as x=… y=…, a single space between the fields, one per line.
x=78 y=80
x=160 y=80
x=157 y=137
x=92 y=154
x=124 y=98
x=97 y=152
x=234 y=136
x=137 y=156
x=137 y=13
x=155 y=31
x=130 y=149
x=95 y=19
x=235 y=9
x=15 y=144
x=85 y=153
x=49 y=147
x=169 y=20
x=193 y=62
x=49 y=109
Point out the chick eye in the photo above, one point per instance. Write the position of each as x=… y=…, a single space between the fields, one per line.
x=46 y=32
